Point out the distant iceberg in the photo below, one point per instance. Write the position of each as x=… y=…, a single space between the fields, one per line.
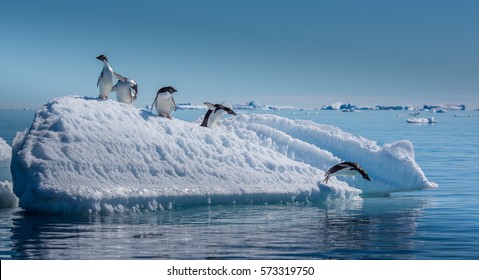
x=189 y=106
x=395 y=107
x=452 y=107
x=85 y=156
x=252 y=105
x=348 y=107
x=421 y=120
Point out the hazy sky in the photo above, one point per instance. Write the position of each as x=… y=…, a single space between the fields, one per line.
x=300 y=53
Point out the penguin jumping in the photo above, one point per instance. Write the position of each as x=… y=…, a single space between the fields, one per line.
x=164 y=102
x=105 y=80
x=345 y=169
x=214 y=113
x=126 y=91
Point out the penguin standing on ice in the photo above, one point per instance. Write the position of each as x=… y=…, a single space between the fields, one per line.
x=164 y=102
x=346 y=169
x=214 y=113
x=126 y=91
x=105 y=81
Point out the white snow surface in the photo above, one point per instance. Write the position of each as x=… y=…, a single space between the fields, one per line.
x=83 y=155
x=5 y=158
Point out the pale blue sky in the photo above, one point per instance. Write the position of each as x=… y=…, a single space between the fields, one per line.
x=300 y=53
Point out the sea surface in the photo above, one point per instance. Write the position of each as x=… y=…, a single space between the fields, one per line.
x=434 y=224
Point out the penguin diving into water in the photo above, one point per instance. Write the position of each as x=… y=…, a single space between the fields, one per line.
x=214 y=113
x=346 y=169
x=105 y=81
x=126 y=91
x=164 y=102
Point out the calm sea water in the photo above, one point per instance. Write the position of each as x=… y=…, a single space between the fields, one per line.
x=437 y=224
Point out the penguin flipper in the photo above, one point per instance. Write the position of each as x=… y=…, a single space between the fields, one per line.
x=174 y=103
x=114 y=87
x=99 y=78
x=210 y=106
x=119 y=77
x=154 y=102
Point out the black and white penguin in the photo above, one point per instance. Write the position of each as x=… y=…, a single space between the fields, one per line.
x=164 y=102
x=126 y=91
x=105 y=80
x=214 y=113
x=346 y=169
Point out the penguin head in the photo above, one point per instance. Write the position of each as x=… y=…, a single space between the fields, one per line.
x=228 y=110
x=225 y=106
x=365 y=176
x=217 y=107
x=169 y=89
x=102 y=58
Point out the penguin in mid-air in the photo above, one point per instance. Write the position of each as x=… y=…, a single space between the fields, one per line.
x=346 y=169
x=126 y=91
x=164 y=102
x=105 y=81
x=214 y=113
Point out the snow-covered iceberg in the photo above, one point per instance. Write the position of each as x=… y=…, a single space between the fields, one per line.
x=82 y=155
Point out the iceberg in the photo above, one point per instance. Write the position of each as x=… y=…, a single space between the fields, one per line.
x=452 y=107
x=5 y=158
x=351 y=107
x=253 y=105
x=7 y=197
x=189 y=106
x=421 y=120
x=86 y=156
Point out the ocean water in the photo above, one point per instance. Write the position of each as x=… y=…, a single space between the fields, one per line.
x=434 y=224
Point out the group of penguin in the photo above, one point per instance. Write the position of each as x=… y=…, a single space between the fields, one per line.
x=164 y=103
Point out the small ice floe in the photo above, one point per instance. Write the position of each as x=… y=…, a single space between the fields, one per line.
x=421 y=120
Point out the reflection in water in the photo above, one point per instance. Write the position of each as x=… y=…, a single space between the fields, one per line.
x=375 y=228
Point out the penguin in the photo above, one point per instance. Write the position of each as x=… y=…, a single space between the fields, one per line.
x=164 y=102
x=346 y=169
x=214 y=113
x=126 y=91
x=105 y=80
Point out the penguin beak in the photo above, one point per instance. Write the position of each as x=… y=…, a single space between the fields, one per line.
x=232 y=113
x=102 y=58
x=367 y=177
